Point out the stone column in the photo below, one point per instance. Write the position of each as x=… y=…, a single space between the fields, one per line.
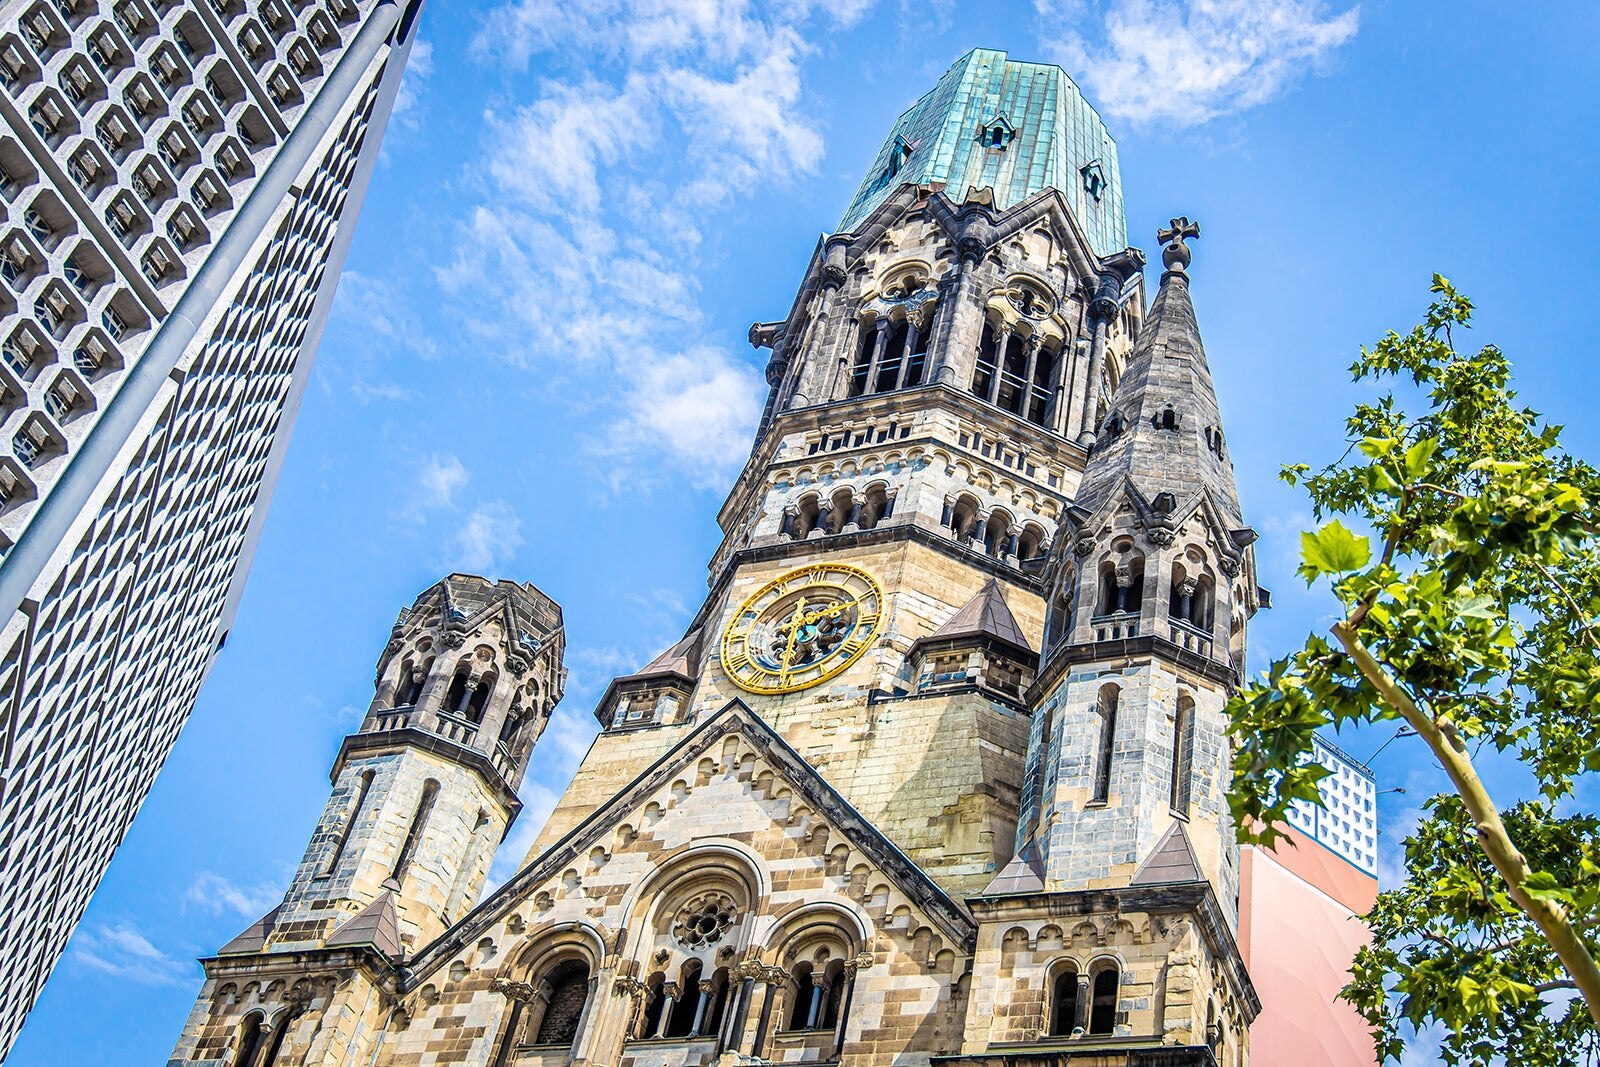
x=864 y=959
x=669 y=995
x=879 y=341
x=1081 y=1022
x=1029 y=369
x=739 y=1011
x=772 y=978
x=1002 y=340
x=707 y=987
x=634 y=990
x=819 y=986
x=959 y=305
x=1101 y=311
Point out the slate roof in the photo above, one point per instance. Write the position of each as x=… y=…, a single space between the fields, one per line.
x=376 y=925
x=1170 y=862
x=1167 y=369
x=985 y=615
x=254 y=937
x=1024 y=874
x=679 y=659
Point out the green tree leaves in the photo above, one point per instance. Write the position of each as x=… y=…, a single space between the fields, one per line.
x=1470 y=613
x=1332 y=550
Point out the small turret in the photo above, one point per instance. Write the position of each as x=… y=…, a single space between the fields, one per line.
x=426 y=789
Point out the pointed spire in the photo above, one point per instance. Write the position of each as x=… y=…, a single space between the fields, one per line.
x=1163 y=431
x=254 y=937
x=1024 y=874
x=985 y=615
x=1170 y=862
x=377 y=925
x=679 y=659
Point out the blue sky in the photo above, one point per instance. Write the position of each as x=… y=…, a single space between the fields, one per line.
x=537 y=366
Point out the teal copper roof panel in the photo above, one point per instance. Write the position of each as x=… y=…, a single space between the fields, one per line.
x=1050 y=138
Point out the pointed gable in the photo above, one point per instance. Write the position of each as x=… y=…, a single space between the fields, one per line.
x=680 y=764
x=1170 y=862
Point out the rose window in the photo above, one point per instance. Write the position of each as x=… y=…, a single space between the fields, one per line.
x=704 y=920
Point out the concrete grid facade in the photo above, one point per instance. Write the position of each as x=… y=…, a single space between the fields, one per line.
x=181 y=182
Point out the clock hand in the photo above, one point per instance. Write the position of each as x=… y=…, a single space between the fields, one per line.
x=823 y=613
x=794 y=632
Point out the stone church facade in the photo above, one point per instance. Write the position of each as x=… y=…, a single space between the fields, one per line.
x=936 y=775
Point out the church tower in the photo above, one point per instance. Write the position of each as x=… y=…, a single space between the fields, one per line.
x=422 y=795
x=937 y=769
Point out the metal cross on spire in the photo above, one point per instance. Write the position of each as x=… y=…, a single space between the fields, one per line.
x=1175 y=256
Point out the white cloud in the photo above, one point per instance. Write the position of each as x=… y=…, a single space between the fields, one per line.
x=215 y=894
x=123 y=952
x=487 y=536
x=700 y=406
x=580 y=258
x=439 y=478
x=1185 y=63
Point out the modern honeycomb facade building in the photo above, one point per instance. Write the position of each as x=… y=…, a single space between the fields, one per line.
x=180 y=181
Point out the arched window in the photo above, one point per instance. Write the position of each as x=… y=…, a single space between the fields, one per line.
x=866 y=343
x=1058 y=623
x=419 y=823
x=841 y=510
x=509 y=728
x=894 y=354
x=964 y=517
x=1103 y=1000
x=917 y=357
x=456 y=697
x=1013 y=375
x=983 y=374
x=998 y=535
x=563 y=1010
x=818 y=994
x=248 y=1042
x=1106 y=706
x=655 y=1003
x=801 y=992
x=1182 y=754
x=407 y=685
x=1191 y=598
x=1043 y=384
x=363 y=786
x=681 y=1024
x=1121 y=586
x=874 y=507
x=1030 y=545
x=805 y=519
x=280 y=1030
x=1064 y=1002
x=478 y=699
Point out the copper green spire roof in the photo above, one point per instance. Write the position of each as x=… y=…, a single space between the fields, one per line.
x=1015 y=128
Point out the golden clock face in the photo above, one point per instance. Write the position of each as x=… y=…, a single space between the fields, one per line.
x=802 y=628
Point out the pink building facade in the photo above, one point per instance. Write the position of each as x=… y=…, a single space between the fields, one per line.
x=1300 y=924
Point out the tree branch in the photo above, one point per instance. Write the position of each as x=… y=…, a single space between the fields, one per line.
x=1445 y=740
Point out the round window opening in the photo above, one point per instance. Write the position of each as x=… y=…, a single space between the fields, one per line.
x=704 y=919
